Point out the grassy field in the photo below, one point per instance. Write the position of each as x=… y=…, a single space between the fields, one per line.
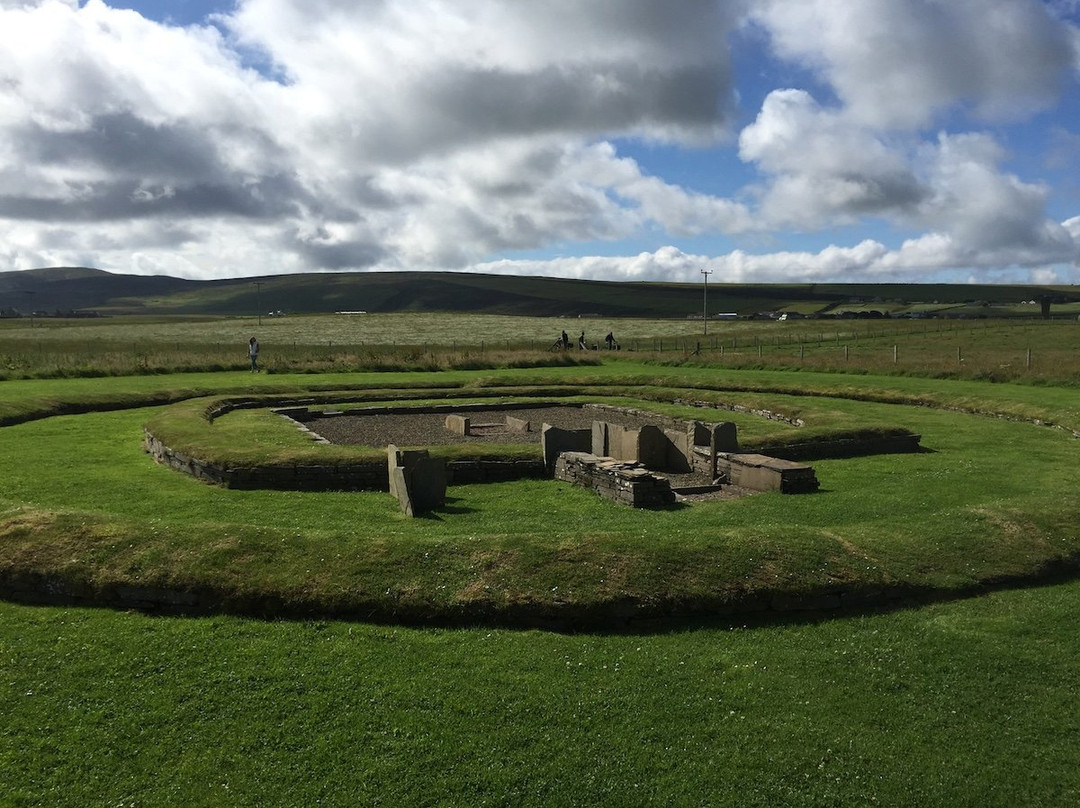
x=996 y=350
x=968 y=702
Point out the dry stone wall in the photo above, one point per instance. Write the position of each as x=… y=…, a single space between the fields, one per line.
x=620 y=481
x=367 y=475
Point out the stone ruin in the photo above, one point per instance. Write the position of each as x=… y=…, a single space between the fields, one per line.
x=628 y=483
x=622 y=464
x=648 y=466
x=618 y=462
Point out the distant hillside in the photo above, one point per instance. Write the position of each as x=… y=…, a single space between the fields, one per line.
x=79 y=288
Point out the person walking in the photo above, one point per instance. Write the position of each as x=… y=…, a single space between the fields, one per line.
x=253 y=354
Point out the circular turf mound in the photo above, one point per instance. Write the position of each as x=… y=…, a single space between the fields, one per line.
x=885 y=528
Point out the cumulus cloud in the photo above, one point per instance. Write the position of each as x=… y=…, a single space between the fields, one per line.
x=299 y=135
x=903 y=62
x=386 y=133
x=396 y=81
x=824 y=168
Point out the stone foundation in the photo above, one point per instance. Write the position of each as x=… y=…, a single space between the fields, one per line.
x=368 y=475
x=618 y=481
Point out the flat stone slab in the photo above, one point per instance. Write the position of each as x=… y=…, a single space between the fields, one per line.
x=763 y=473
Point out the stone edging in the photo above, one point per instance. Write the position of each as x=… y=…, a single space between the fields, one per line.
x=368 y=475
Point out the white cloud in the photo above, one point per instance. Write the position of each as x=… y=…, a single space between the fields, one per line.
x=400 y=134
x=393 y=82
x=823 y=167
x=390 y=134
x=987 y=211
x=903 y=62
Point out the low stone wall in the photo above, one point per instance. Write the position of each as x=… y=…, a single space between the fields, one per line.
x=846 y=447
x=468 y=472
x=627 y=483
x=368 y=475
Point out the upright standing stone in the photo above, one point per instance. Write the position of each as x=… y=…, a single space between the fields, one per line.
x=458 y=424
x=417 y=480
x=600 y=439
x=554 y=441
x=680 y=448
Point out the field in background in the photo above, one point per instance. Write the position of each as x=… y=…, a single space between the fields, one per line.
x=1024 y=350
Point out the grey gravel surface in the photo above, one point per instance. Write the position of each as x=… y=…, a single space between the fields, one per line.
x=429 y=429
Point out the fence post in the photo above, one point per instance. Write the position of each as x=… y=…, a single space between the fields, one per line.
x=845 y=353
x=894 y=354
x=1028 y=361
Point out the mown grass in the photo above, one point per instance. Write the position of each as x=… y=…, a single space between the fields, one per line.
x=969 y=703
x=948 y=519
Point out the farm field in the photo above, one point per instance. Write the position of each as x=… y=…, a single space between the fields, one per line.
x=1028 y=350
x=967 y=701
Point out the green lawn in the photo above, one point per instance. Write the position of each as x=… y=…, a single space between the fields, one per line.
x=970 y=703
x=991 y=499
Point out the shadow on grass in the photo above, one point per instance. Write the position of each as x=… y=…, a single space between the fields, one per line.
x=452 y=507
x=613 y=616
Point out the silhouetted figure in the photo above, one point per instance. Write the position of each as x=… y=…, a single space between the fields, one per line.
x=581 y=342
x=253 y=354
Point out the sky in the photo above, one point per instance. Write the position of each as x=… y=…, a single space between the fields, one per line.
x=799 y=141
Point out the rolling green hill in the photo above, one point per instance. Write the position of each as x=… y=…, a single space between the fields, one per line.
x=80 y=289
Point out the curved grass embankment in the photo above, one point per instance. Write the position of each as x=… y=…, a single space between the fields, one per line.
x=84 y=510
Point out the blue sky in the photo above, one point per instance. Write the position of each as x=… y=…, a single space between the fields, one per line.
x=765 y=140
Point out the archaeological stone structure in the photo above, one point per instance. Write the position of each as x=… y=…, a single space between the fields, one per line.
x=632 y=457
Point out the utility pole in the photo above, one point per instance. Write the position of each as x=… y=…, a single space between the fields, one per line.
x=705 y=273
x=258 y=298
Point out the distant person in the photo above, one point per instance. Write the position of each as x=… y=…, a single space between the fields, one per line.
x=565 y=341
x=253 y=354
x=581 y=342
x=612 y=345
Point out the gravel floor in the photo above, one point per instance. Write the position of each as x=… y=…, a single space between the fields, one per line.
x=488 y=426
